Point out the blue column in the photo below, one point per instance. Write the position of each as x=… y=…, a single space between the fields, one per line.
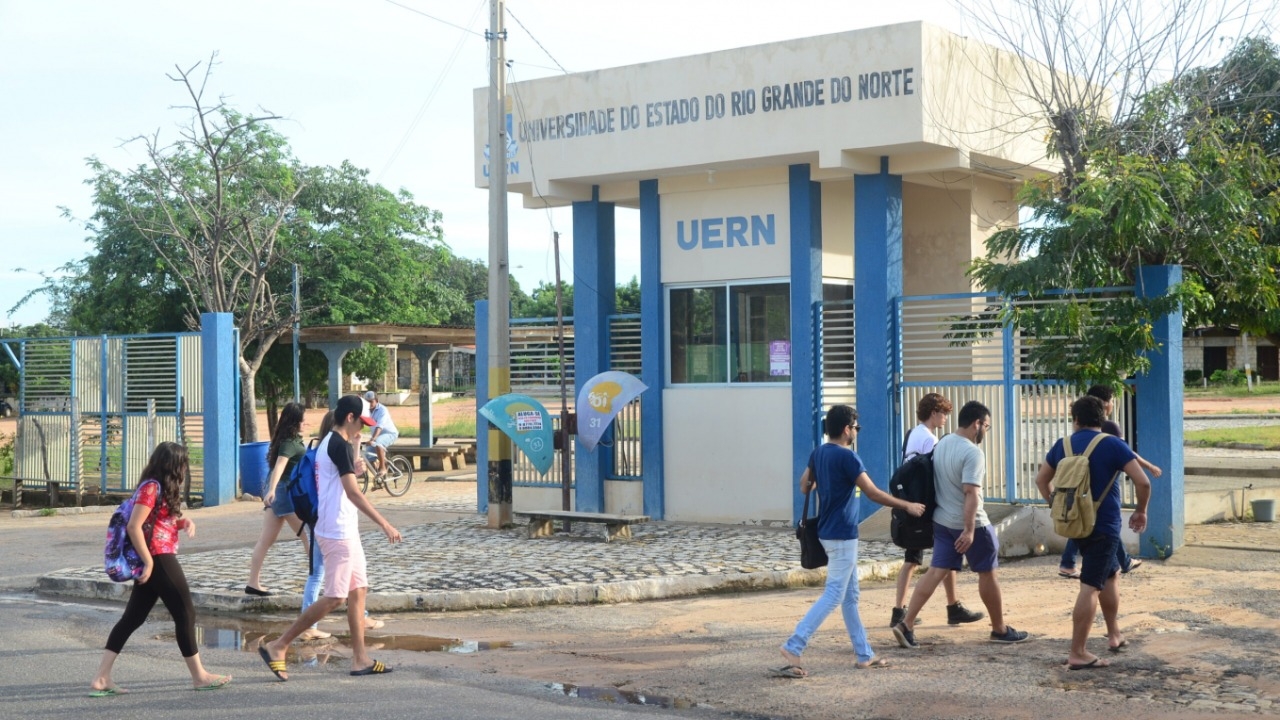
x=482 y=397
x=806 y=290
x=877 y=280
x=218 y=357
x=334 y=352
x=653 y=354
x=1159 y=420
x=594 y=299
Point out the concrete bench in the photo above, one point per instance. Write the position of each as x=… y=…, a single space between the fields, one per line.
x=468 y=448
x=617 y=527
x=441 y=458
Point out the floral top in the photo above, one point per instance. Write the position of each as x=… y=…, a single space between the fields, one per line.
x=163 y=538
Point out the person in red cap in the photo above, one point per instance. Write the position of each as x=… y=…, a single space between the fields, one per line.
x=338 y=536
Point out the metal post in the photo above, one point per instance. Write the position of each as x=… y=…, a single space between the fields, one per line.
x=151 y=426
x=297 y=316
x=500 y=451
x=565 y=500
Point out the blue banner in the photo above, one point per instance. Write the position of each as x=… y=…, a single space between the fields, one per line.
x=528 y=425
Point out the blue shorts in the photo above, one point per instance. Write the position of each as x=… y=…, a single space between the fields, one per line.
x=1098 y=562
x=282 y=505
x=983 y=555
x=385 y=439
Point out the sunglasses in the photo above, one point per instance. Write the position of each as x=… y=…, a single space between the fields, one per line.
x=856 y=427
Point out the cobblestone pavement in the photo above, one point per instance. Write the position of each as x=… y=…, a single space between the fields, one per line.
x=458 y=562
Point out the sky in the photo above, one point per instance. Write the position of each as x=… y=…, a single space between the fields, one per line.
x=374 y=82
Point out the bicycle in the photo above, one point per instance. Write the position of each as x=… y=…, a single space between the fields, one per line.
x=395 y=479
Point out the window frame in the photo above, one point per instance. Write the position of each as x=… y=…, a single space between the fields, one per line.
x=725 y=286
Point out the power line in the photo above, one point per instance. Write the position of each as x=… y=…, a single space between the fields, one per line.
x=534 y=39
x=439 y=20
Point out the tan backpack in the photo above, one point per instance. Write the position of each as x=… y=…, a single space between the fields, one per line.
x=1072 y=506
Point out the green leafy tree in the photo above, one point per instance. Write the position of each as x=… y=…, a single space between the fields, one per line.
x=275 y=378
x=368 y=361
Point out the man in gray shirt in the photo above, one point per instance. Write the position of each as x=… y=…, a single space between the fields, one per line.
x=961 y=529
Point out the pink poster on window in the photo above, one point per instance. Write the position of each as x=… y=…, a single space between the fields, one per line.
x=779 y=357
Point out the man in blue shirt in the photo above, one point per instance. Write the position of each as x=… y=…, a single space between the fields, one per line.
x=1099 y=567
x=835 y=470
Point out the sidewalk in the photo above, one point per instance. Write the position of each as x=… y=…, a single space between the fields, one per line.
x=459 y=564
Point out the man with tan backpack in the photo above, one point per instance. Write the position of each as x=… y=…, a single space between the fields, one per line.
x=1079 y=479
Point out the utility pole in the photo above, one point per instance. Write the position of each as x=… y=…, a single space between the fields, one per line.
x=500 y=450
x=565 y=458
x=297 y=317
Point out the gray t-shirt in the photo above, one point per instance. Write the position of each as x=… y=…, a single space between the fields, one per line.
x=957 y=462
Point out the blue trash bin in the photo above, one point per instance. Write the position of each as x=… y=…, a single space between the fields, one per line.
x=253 y=468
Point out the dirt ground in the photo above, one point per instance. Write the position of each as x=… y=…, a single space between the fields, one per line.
x=403 y=415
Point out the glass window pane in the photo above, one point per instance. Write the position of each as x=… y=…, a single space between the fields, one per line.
x=698 y=336
x=760 y=333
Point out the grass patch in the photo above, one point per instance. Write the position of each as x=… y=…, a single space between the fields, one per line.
x=1268 y=436
x=457 y=428
x=1260 y=389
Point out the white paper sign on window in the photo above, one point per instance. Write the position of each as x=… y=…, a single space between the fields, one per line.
x=779 y=357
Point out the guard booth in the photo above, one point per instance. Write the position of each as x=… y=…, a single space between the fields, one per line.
x=771 y=181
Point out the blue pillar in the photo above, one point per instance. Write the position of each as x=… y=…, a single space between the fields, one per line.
x=806 y=290
x=220 y=369
x=482 y=397
x=594 y=300
x=1159 y=420
x=334 y=352
x=653 y=354
x=877 y=280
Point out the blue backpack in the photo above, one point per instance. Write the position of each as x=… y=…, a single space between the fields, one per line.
x=304 y=494
x=120 y=558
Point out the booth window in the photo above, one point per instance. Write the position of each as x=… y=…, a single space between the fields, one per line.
x=727 y=333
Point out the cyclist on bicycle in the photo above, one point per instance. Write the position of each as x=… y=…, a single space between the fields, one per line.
x=384 y=432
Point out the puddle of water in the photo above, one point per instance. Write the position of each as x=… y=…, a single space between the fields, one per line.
x=247 y=635
x=625 y=697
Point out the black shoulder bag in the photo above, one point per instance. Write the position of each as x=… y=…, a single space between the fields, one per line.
x=812 y=554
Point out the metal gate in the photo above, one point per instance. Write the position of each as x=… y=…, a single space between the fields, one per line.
x=91 y=409
x=958 y=346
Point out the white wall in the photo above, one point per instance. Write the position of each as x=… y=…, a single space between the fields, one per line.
x=728 y=454
x=715 y=257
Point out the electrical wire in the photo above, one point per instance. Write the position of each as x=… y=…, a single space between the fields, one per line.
x=534 y=39
x=439 y=20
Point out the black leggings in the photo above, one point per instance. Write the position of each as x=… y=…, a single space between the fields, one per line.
x=167 y=583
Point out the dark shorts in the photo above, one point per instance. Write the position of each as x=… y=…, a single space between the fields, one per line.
x=983 y=555
x=913 y=557
x=1098 y=562
x=282 y=506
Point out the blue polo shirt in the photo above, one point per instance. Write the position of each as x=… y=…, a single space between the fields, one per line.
x=1107 y=459
x=836 y=469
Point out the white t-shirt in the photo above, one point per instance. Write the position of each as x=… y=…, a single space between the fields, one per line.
x=920 y=441
x=338 y=517
x=957 y=462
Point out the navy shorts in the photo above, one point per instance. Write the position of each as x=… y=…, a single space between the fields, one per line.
x=1098 y=562
x=983 y=555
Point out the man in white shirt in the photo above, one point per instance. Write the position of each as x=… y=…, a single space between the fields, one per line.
x=338 y=535
x=932 y=412
x=385 y=431
x=961 y=529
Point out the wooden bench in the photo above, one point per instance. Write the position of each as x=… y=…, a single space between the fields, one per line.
x=441 y=458
x=617 y=527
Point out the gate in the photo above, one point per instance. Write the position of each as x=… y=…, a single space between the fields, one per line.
x=91 y=409
x=958 y=346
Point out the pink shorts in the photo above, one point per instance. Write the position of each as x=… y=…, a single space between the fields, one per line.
x=344 y=566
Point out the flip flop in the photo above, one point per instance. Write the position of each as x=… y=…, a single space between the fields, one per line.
x=377 y=668
x=1118 y=648
x=218 y=684
x=108 y=692
x=1133 y=565
x=1093 y=664
x=1073 y=575
x=373 y=624
x=276 y=666
x=794 y=672
x=873 y=663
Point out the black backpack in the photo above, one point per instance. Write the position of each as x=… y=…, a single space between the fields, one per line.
x=913 y=482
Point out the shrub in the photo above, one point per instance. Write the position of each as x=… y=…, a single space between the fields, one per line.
x=1192 y=377
x=1227 y=377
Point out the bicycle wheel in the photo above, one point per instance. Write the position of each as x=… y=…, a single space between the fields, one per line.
x=399 y=476
x=364 y=480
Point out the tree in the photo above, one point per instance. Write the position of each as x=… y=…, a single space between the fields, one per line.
x=275 y=378
x=1148 y=176
x=368 y=361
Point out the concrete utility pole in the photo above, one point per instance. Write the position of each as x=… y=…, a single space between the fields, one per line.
x=500 y=451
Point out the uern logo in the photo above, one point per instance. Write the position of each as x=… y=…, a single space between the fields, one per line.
x=726 y=232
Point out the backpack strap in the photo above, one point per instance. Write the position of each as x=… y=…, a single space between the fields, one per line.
x=1093 y=444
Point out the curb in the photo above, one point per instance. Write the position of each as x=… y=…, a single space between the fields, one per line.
x=86 y=510
x=451 y=600
x=1234 y=546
